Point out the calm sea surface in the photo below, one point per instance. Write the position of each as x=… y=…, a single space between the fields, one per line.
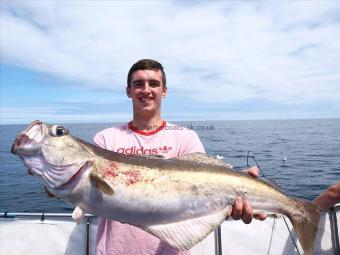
x=311 y=149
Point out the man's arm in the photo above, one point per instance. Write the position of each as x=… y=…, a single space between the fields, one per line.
x=329 y=197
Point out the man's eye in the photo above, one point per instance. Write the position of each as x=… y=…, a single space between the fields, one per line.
x=154 y=84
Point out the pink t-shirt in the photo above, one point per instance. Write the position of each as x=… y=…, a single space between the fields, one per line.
x=114 y=238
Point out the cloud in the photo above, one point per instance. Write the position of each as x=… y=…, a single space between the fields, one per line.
x=215 y=52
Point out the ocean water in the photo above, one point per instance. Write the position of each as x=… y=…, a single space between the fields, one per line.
x=302 y=156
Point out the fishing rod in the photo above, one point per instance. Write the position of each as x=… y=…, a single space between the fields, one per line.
x=250 y=155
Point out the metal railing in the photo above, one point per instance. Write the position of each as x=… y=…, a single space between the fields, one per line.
x=334 y=228
x=43 y=216
x=217 y=234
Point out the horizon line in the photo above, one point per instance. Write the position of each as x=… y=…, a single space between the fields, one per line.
x=198 y=120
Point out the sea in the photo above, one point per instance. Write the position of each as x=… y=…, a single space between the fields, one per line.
x=301 y=156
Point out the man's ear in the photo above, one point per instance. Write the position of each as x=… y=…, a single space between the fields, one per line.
x=165 y=91
x=128 y=91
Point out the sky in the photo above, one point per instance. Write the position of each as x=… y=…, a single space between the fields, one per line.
x=67 y=61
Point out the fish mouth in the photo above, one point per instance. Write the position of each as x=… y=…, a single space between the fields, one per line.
x=28 y=141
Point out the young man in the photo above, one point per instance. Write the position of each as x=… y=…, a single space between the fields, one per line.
x=148 y=133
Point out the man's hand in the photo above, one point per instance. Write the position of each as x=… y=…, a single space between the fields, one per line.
x=243 y=209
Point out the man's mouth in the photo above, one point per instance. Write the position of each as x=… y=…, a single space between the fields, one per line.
x=145 y=99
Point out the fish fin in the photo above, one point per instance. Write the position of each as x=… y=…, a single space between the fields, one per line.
x=100 y=184
x=306 y=227
x=203 y=158
x=78 y=214
x=185 y=234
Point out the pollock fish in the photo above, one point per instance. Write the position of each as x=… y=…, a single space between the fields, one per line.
x=179 y=200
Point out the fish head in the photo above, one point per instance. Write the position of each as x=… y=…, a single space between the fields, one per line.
x=51 y=153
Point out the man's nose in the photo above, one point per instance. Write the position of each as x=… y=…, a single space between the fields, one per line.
x=146 y=87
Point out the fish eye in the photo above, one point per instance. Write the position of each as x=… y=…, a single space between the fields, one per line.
x=58 y=131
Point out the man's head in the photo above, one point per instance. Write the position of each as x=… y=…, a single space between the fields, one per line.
x=146 y=87
x=146 y=64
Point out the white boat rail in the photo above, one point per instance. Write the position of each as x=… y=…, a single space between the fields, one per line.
x=272 y=233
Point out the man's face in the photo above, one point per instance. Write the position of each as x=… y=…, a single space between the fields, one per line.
x=146 y=91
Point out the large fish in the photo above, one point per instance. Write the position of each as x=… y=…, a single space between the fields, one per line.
x=179 y=200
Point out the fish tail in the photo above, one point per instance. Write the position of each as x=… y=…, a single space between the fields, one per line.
x=306 y=224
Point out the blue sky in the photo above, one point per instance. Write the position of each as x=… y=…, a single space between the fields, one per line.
x=66 y=61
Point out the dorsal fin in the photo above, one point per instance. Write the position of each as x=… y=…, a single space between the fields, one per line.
x=203 y=158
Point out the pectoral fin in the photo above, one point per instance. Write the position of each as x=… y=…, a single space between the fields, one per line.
x=101 y=184
x=185 y=234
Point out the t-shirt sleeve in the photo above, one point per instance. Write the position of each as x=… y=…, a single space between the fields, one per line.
x=99 y=140
x=192 y=143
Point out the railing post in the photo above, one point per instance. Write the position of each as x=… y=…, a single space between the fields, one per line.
x=87 y=236
x=334 y=231
x=218 y=242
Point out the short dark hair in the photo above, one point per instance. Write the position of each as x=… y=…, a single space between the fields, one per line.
x=146 y=64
